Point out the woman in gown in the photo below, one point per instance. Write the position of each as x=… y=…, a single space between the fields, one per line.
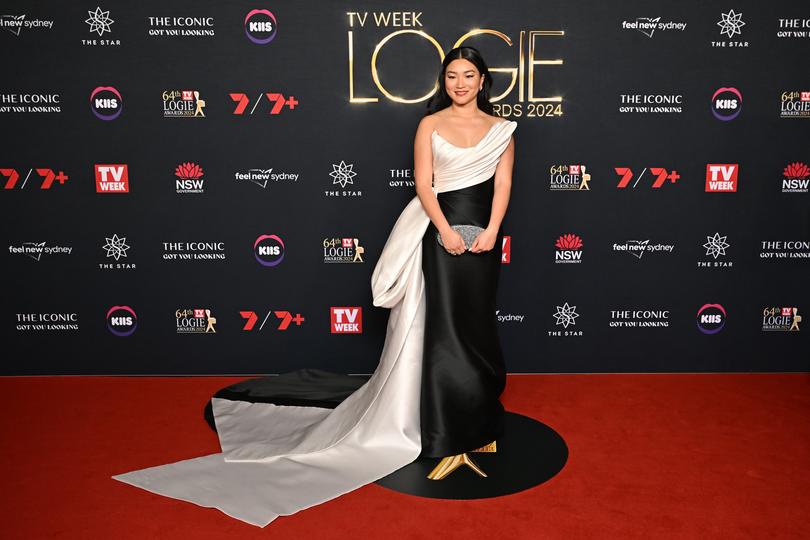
x=296 y=440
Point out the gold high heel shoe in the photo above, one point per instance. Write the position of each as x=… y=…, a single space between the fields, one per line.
x=450 y=463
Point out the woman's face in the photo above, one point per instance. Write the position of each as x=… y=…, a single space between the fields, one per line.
x=462 y=81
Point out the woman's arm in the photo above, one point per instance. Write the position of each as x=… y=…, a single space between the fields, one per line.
x=503 y=186
x=423 y=174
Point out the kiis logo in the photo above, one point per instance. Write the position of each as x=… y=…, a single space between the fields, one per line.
x=711 y=318
x=106 y=103
x=726 y=104
x=346 y=320
x=661 y=176
x=269 y=250
x=721 y=178
x=795 y=178
x=112 y=179
x=506 y=250
x=122 y=321
x=190 y=178
x=569 y=249
x=260 y=26
x=47 y=178
x=278 y=102
x=284 y=318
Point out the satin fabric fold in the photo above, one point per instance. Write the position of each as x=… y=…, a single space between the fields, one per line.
x=279 y=459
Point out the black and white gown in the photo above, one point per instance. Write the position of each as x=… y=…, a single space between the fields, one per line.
x=435 y=391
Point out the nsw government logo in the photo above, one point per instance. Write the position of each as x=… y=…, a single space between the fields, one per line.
x=346 y=320
x=189 y=178
x=269 y=250
x=569 y=249
x=796 y=178
x=711 y=318
x=122 y=321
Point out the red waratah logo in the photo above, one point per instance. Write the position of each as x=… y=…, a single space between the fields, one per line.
x=569 y=241
x=569 y=249
x=190 y=178
x=796 y=178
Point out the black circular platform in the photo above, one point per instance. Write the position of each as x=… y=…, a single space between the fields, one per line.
x=529 y=453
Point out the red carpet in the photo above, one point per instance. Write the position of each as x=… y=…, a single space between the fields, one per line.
x=651 y=456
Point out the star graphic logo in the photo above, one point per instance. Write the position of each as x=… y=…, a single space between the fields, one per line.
x=730 y=23
x=342 y=174
x=99 y=21
x=716 y=245
x=116 y=247
x=565 y=315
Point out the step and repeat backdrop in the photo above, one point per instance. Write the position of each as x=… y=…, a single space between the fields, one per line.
x=205 y=187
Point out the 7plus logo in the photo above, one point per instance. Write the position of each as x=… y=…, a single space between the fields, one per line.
x=285 y=318
x=661 y=176
x=278 y=102
x=47 y=175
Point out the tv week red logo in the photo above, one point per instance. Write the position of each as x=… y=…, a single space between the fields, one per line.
x=721 y=177
x=346 y=320
x=112 y=179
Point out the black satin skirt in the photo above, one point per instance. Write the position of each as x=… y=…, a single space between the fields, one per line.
x=463 y=372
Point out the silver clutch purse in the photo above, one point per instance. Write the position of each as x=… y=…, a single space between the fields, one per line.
x=467 y=232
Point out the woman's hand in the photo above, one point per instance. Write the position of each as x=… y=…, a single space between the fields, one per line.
x=485 y=241
x=453 y=242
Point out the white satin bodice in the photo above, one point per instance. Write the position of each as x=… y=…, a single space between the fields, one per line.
x=456 y=167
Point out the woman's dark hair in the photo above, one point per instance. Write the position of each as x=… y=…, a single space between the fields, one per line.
x=440 y=100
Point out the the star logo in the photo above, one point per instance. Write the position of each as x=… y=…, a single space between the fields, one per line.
x=342 y=174
x=730 y=23
x=716 y=245
x=566 y=314
x=99 y=21
x=116 y=247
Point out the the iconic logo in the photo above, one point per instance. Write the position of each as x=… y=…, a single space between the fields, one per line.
x=15 y=23
x=648 y=26
x=660 y=175
x=569 y=249
x=651 y=103
x=189 y=178
x=638 y=248
x=106 y=103
x=38 y=103
x=722 y=177
x=793 y=28
x=47 y=175
x=346 y=320
x=726 y=104
x=781 y=319
x=181 y=26
x=711 y=318
x=261 y=177
x=796 y=178
x=195 y=321
x=183 y=104
x=785 y=249
x=35 y=250
x=277 y=102
x=342 y=250
x=639 y=318
x=795 y=104
x=194 y=251
x=506 y=250
x=569 y=178
x=112 y=178
x=261 y=26
x=269 y=250
x=285 y=318
x=343 y=174
x=50 y=322
x=122 y=321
